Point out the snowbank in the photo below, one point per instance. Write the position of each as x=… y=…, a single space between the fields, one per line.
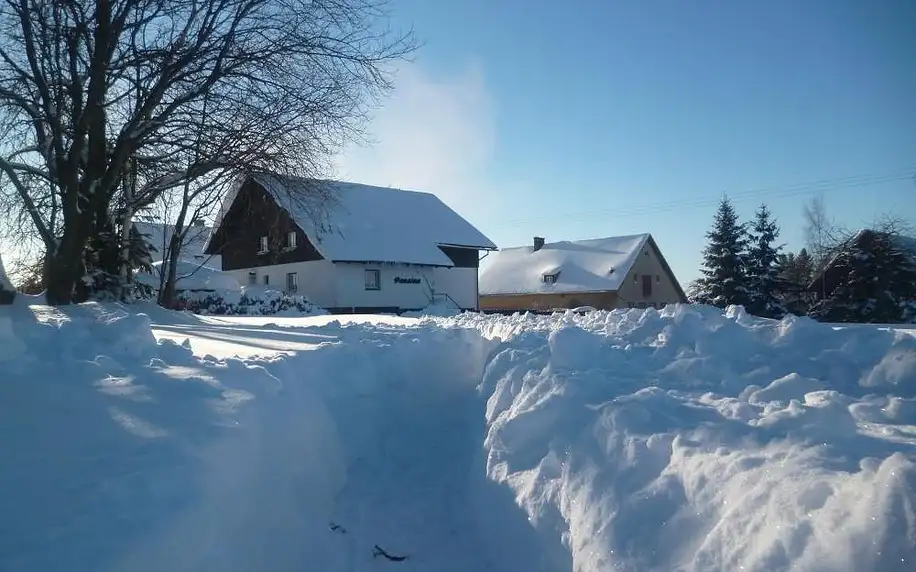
x=442 y=307
x=689 y=439
x=682 y=439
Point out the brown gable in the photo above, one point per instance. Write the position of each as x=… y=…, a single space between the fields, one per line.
x=667 y=269
x=254 y=213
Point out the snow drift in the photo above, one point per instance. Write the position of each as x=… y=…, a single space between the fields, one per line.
x=691 y=440
x=681 y=439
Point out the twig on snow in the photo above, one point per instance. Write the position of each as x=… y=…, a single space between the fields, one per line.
x=379 y=551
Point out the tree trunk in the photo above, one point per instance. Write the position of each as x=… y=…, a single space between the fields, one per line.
x=64 y=269
x=167 y=293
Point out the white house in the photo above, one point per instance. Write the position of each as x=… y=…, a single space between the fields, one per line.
x=348 y=247
x=7 y=291
x=158 y=235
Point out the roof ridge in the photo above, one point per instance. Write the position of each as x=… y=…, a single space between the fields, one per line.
x=581 y=240
x=297 y=178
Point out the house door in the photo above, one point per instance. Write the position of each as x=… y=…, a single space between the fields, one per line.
x=646 y=285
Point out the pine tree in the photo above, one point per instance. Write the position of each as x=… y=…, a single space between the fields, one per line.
x=762 y=271
x=878 y=282
x=724 y=280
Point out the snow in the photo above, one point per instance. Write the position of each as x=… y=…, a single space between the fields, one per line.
x=689 y=439
x=226 y=337
x=442 y=307
x=365 y=223
x=192 y=275
x=594 y=265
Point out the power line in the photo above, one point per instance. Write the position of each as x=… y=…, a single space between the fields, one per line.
x=850 y=182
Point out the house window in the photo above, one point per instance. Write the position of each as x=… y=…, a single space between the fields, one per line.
x=646 y=285
x=252 y=278
x=373 y=280
x=550 y=279
x=267 y=280
x=262 y=246
x=658 y=279
x=635 y=278
x=292 y=282
x=291 y=239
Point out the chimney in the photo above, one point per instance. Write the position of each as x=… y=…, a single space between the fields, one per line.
x=538 y=243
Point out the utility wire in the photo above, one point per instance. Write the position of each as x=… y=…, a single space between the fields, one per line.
x=851 y=182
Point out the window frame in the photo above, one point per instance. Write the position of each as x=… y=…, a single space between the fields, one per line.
x=292 y=286
x=377 y=280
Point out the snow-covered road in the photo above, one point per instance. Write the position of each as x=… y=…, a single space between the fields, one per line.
x=687 y=439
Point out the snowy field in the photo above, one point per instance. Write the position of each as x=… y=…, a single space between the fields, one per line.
x=687 y=439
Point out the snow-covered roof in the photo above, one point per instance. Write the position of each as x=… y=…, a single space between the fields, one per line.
x=159 y=234
x=906 y=243
x=360 y=223
x=193 y=276
x=594 y=265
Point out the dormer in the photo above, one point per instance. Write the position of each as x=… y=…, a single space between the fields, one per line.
x=550 y=275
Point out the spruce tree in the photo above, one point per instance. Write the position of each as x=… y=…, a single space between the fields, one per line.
x=877 y=282
x=724 y=280
x=762 y=271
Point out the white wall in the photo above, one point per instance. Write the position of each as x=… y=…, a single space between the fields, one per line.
x=459 y=283
x=316 y=279
x=343 y=284
x=351 y=286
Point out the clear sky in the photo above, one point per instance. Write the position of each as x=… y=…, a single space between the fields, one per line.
x=595 y=118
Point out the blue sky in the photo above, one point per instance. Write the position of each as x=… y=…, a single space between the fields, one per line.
x=600 y=118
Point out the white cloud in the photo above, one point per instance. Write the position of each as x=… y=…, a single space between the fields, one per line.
x=432 y=134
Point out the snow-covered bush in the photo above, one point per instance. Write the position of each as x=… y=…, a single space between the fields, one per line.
x=251 y=302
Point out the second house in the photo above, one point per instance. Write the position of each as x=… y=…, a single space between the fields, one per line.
x=604 y=273
x=348 y=247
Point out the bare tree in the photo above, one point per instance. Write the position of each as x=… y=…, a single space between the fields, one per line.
x=109 y=104
x=893 y=225
x=822 y=234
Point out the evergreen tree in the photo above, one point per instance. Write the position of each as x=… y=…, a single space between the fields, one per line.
x=724 y=280
x=795 y=274
x=877 y=282
x=762 y=271
x=102 y=259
